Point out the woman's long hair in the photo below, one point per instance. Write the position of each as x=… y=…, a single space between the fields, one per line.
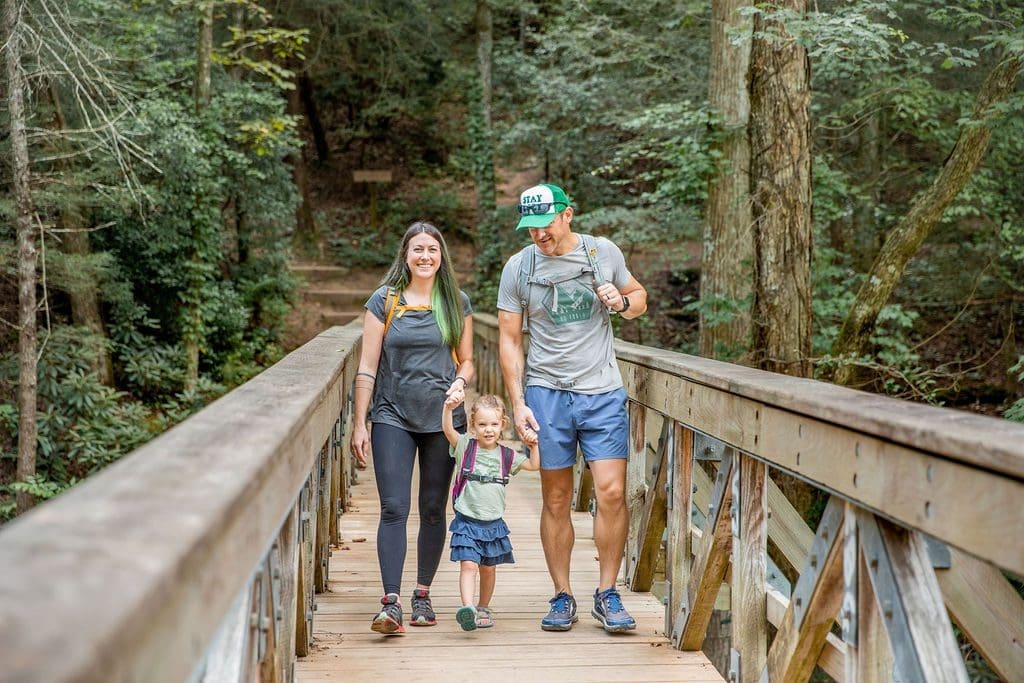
x=444 y=298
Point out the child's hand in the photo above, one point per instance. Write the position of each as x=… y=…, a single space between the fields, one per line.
x=530 y=437
x=453 y=400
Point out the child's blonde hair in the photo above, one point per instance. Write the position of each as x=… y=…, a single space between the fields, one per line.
x=489 y=402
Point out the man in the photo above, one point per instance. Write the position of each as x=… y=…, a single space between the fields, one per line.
x=562 y=290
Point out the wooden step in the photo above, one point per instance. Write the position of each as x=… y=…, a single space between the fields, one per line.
x=317 y=272
x=338 y=297
x=331 y=318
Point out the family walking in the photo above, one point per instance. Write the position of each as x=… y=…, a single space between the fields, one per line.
x=565 y=394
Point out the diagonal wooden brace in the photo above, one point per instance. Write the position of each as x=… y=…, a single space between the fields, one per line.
x=816 y=599
x=711 y=561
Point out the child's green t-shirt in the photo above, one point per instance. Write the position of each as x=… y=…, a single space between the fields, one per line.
x=483 y=500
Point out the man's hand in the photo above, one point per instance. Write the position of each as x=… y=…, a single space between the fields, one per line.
x=526 y=424
x=609 y=295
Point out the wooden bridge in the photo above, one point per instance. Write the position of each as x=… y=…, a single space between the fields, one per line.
x=238 y=545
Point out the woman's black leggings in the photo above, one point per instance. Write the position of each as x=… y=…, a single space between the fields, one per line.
x=394 y=451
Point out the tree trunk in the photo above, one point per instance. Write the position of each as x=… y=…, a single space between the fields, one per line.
x=725 y=279
x=204 y=55
x=905 y=239
x=865 y=233
x=316 y=128
x=85 y=302
x=192 y=327
x=484 y=156
x=27 y=255
x=305 y=224
x=781 y=193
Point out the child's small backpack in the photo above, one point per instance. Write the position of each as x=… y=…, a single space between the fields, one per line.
x=466 y=473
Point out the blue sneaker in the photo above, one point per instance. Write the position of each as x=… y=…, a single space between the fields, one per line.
x=562 y=614
x=609 y=611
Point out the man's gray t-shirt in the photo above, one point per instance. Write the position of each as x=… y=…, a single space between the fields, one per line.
x=415 y=369
x=570 y=331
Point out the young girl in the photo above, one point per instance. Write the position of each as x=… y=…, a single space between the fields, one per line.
x=479 y=538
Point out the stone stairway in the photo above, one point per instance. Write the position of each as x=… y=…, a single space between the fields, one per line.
x=330 y=295
x=334 y=295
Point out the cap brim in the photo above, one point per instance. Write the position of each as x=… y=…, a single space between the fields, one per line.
x=542 y=220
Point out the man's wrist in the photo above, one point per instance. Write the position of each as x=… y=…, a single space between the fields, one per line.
x=625 y=304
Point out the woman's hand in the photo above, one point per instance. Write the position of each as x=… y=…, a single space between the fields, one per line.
x=456 y=392
x=360 y=444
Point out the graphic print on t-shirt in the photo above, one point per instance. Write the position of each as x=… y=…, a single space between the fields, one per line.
x=571 y=302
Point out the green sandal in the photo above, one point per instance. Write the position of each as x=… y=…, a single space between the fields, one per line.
x=466 y=616
x=484 y=618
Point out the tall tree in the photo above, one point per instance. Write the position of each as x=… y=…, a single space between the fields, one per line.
x=908 y=235
x=192 y=309
x=725 y=280
x=483 y=145
x=781 y=193
x=84 y=293
x=27 y=254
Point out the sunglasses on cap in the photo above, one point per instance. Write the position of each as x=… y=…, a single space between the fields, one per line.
x=538 y=209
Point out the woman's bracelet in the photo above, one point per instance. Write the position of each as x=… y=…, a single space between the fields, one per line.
x=366 y=374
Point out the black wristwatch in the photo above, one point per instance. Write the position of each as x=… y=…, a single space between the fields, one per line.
x=625 y=304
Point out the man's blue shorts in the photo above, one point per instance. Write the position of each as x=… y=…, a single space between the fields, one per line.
x=599 y=423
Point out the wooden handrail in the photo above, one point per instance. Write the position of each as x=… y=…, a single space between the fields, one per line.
x=182 y=560
x=130 y=575
x=937 y=473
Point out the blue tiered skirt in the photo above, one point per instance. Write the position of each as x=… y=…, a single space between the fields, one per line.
x=486 y=543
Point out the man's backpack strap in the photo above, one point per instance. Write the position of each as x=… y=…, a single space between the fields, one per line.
x=526 y=265
x=590 y=246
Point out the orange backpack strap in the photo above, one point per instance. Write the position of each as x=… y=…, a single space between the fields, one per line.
x=391 y=306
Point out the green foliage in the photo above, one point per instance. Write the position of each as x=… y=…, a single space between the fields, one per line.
x=1016 y=411
x=83 y=425
x=357 y=244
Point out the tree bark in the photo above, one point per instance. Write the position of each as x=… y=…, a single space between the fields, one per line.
x=305 y=224
x=725 y=279
x=204 y=55
x=485 y=192
x=781 y=193
x=908 y=235
x=192 y=315
x=27 y=254
x=316 y=128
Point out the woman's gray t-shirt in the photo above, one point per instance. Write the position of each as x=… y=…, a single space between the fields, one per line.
x=415 y=369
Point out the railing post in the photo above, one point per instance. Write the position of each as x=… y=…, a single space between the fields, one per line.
x=636 y=479
x=678 y=553
x=749 y=516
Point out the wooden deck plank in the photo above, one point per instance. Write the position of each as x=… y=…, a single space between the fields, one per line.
x=516 y=648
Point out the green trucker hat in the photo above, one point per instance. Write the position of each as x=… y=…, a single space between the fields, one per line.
x=539 y=205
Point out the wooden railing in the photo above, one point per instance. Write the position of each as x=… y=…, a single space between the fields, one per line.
x=926 y=507
x=198 y=556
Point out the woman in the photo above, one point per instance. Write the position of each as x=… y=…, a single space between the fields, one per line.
x=417 y=351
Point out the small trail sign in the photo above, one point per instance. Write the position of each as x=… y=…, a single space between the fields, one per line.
x=373 y=177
